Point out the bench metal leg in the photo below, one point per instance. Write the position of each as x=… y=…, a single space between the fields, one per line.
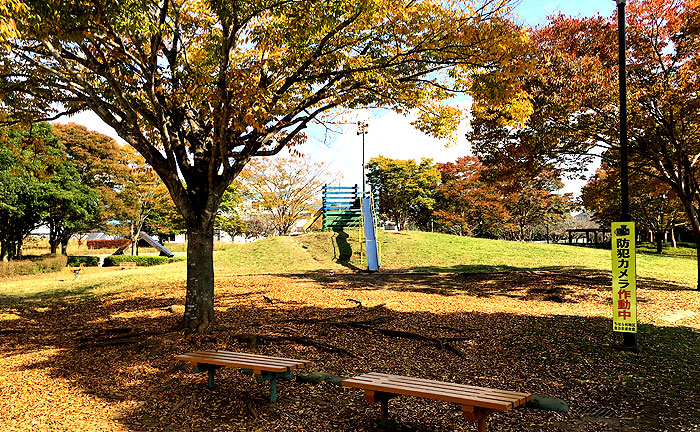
x=211 y=378
x=383 y=398
x=210 y=369
x=384 y=408
x=273 y=377
x=273 y=390
x=476 y=414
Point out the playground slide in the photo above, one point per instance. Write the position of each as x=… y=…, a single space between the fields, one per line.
x=311 y=221
x=371 y=247
x=155 y=244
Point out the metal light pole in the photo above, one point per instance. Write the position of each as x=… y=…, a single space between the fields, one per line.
x=622 y=61
x=362 y=130
x=630 y=340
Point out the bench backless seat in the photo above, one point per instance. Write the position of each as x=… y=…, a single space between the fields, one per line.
x=265 y=368
x=477 y=402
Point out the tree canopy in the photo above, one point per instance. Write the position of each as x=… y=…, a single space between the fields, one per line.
x=653 y=204
x=39 y=185
x=466 y=204
x=404 y=188
x=199 y=87
x=573 y=88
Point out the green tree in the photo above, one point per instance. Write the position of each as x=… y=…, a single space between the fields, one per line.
x=198 y=105
x=163 y=219
x=71 y=207
x=41 y=186
x=20 y=188
x=404 y=188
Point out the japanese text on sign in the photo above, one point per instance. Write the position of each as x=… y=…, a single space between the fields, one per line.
x=624 y=280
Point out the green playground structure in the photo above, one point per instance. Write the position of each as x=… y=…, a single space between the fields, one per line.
x=345 y=207
x=341 y=207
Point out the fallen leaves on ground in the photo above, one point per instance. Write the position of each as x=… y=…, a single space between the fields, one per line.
x=108 y=364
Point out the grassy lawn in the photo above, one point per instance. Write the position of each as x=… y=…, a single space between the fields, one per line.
x=432 y=252
x=404 y=251
x=97 y=352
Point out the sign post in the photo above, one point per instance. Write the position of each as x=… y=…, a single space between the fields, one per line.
x=630 y=340
x=624 y=281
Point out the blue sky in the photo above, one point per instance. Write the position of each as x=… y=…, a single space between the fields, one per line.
x=535 y=12
x=391 y=134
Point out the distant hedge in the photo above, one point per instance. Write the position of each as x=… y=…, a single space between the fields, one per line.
x=85 y=260
x=143 y=260
x=108 y=244
x=33 y=265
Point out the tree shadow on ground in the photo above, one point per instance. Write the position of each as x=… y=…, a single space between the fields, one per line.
x=119 y=351
x=557 y=284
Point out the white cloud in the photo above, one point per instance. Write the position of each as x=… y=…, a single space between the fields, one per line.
x=389 y=134
x=91 y=121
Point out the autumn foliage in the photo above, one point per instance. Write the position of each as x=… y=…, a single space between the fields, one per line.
x=198 y=105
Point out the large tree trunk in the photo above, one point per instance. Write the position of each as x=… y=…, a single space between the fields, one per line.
x=695 y=224
x=659 y=236
x=53 y=238
x=199 y=299
x=53 y=246
x=64 y=244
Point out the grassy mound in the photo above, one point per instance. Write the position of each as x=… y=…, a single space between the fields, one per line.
x=443 y=253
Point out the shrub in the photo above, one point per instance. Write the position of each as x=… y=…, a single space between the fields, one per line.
x=121 y=243
x=33 y=265
x=147 y=260
x=85 y=260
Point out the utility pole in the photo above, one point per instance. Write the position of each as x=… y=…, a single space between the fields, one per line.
x=362 y=130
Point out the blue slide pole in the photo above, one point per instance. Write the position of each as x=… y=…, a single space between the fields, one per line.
x=150 y=240
x=371 y=248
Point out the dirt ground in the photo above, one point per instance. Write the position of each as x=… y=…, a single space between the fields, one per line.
x=109 y=364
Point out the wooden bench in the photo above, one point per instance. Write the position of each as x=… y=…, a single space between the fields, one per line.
x=126 y=264
x=264 y=368
x=477 y=402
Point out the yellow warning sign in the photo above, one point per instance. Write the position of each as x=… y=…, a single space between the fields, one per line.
x=624 y=278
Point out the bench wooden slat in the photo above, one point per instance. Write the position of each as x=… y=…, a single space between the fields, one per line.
x=258 y=363
x=409 y=390
x=462 y=396
x=256 y=366
x=271 y=360
x=447 y=391
x=465 y=394
x=236 y=363
x=237 y=358
x=518 y=398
